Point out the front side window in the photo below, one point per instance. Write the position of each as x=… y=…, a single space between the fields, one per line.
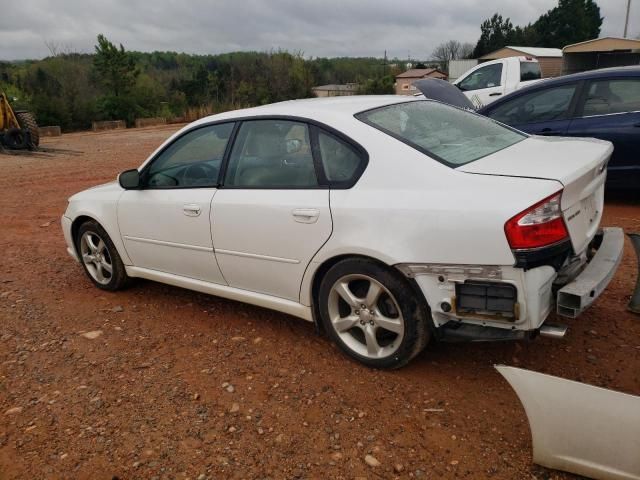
x=484 y=77
x=612 y=96
x=452 y=136
x=271 y=154
x=540 y=106
x=193 y=160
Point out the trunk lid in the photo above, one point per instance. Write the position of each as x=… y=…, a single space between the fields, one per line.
x=579 y=165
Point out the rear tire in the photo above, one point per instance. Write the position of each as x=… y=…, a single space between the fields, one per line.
x=372 y=313
x=99 y=257
x=28 y=122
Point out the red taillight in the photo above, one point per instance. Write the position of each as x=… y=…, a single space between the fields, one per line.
x=538 y=226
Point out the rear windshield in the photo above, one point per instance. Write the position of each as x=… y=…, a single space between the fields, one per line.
x=448 y=134
x=529 y=71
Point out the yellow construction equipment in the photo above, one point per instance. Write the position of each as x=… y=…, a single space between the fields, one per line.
x=18 y=129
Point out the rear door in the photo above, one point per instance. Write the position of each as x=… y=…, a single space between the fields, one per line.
x=609 y=109
x=544 y=111
x=272 y=214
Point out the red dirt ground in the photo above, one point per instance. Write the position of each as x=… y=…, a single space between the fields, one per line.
x=146 y=398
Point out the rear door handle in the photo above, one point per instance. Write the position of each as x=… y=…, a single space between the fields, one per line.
x=305 y=215
x=191 y=209
x=496 y=94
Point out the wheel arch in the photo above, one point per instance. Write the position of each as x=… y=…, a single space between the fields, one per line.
x=321 y=270
x=83 y=217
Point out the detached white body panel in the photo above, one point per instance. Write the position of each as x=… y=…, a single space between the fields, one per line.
x=579 y=428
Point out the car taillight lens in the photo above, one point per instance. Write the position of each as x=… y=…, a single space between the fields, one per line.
x=538 y=226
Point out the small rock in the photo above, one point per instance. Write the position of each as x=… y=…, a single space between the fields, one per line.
x=361 y=414
x=196 y=396
x=453 y=462
x=202 y=476
x=63 y=456
x=232 y=429
x=372 y=461
x=257 y=340
x=44 y=225
x=237 y=339
x=230 y=389
x=234 y=407
x=92 y=335
x=398 y=467
x=260 y=431
x=117 y=309
x=279 y=438
x=13 y=411
x=336 y=456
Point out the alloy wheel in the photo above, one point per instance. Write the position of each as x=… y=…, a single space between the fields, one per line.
x=96 y=258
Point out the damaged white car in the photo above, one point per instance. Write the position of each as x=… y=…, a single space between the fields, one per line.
x=387 y=221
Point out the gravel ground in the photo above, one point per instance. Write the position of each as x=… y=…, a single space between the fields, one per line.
x=159 y=382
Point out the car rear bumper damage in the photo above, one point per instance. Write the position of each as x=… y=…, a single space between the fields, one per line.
x=579 y=294
x=489 y=303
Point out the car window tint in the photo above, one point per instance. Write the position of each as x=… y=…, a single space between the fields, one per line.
x=485 y=77
x=192 y=160
x=539 y=106
x=453 y=136
x=612 y=96
x=340 y=160
x=271 y=154
x=530 y=71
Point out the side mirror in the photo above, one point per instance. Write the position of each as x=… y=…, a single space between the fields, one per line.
x=129 y=179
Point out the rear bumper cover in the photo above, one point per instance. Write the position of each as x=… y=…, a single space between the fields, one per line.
x=579 y=294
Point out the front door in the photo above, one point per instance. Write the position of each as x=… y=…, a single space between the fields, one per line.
x=484 y=84
x=271 y=216
x=165 y=226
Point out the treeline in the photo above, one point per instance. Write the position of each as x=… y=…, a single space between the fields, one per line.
x=72 y=89
x=571 y=21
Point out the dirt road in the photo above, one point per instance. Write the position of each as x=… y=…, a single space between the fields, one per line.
x=184 y=385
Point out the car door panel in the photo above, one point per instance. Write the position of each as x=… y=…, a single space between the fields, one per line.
x=169 y=230
x=264 y=239
x=165 y=225
x=623 y=130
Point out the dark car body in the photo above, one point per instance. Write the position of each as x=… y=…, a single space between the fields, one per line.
x=603 y=104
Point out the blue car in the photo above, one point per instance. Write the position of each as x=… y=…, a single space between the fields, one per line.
x=600 y=103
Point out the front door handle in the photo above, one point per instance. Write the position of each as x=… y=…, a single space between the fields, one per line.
x=305 y=215
x=191 y=210
x=495 y=94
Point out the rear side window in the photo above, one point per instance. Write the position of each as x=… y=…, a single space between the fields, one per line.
x=448 y=134
x=539 y=106
x=340 y=161
x=484 y=77
x=612 y=96
x=530 y=71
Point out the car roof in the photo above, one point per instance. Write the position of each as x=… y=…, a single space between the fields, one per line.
x=321 y=109
x=630 y=71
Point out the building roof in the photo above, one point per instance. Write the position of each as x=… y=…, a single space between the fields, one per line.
x=603 y=44
x=419 y=73
x=532 y=51
x=336 y=87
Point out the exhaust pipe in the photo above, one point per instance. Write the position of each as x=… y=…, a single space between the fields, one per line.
x=634 y=304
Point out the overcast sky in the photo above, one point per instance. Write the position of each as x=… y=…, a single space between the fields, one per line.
x=315 y=27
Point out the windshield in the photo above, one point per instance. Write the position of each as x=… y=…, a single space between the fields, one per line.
x=450 y=135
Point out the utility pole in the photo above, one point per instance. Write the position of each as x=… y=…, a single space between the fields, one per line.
x=626 y=20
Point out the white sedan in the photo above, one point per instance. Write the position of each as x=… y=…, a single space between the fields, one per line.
x=387 y=221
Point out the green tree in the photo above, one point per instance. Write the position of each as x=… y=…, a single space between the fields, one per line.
x=572 y=21
x=115 y=67
x=496 y=32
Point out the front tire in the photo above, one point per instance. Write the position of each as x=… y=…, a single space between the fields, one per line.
x=99 y=257
x=372 y=313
